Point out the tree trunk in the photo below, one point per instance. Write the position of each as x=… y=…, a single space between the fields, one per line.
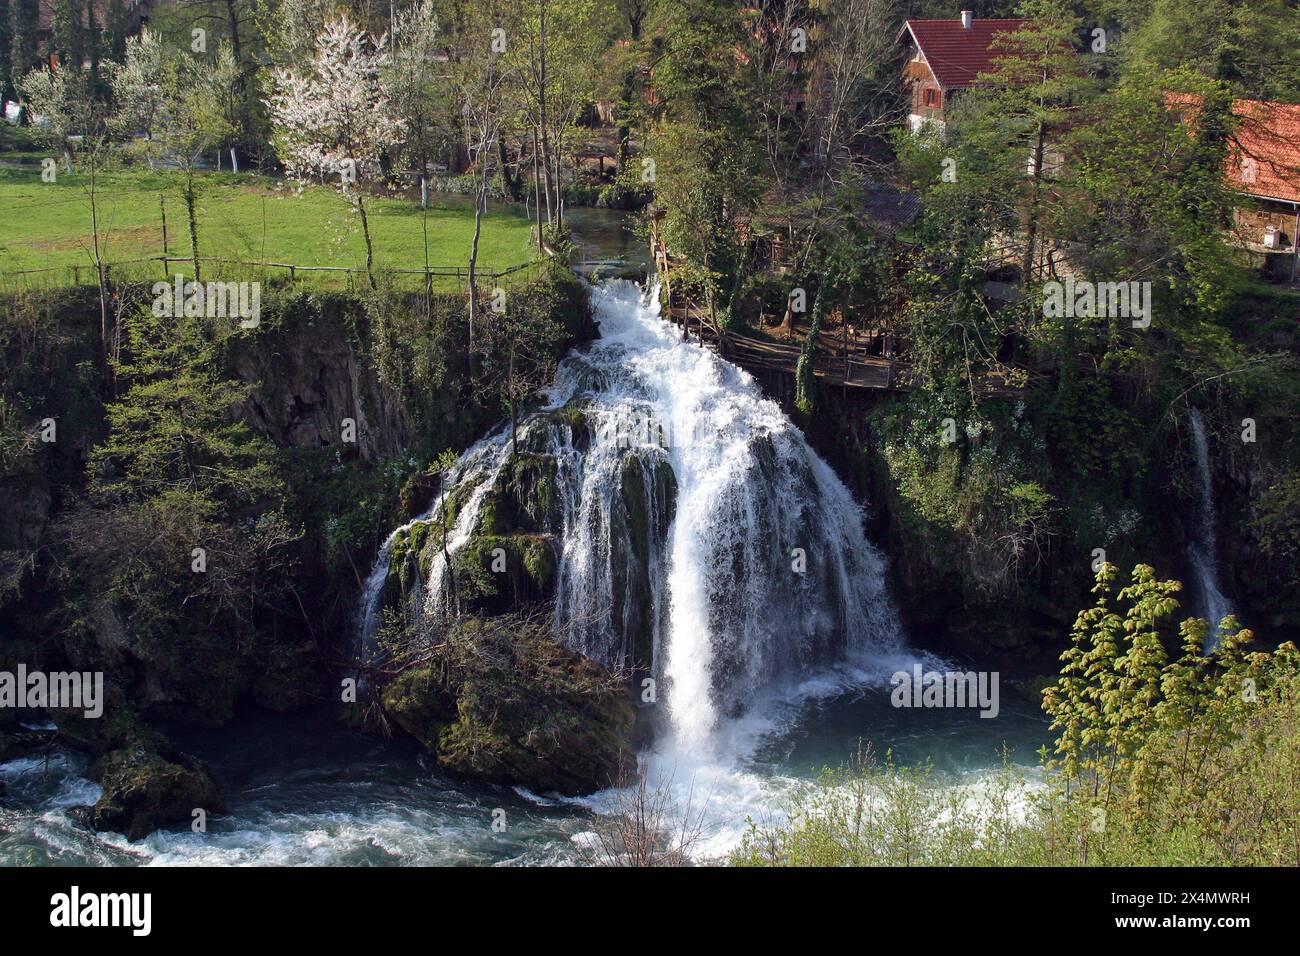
x=365 y=231
x=99 y=261
x=193 y=217
x=537 y=190
x=241 y=78
x=1031 y=226
x=509 y=179
x=542 y=120
x=559 y=192
x=479 y=198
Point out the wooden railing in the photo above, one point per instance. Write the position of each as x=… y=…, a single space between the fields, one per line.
x=852 y=368
x=484 y=274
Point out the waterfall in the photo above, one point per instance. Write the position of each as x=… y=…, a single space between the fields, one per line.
x=1202 y=552
x=369 y=616
x=695 y=536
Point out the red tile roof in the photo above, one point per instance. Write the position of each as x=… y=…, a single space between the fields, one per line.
x=957 y=55
x=1264 y=153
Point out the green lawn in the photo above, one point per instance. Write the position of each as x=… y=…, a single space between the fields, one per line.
x=44 y=225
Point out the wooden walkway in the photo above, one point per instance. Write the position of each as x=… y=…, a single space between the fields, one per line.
x=845 y=356
x=833 y=364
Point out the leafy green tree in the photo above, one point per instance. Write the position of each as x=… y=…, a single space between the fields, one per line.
x=991 y=181
x=704 y=144
x=1149 y=742
x=634 y=14
x=171 y=431
x=22 y=48
x=183 y=533
x=181 y=98
x=1038 y=83
x=854 y=274
x=67 y=25
x=968 y=185
x=1145 y=201
x=7 y=91
x=1247 y=44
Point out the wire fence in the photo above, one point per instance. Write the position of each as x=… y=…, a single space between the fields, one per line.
x=441 y=278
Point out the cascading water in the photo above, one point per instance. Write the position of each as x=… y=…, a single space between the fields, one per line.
x=1202 y=552
x=694 y=533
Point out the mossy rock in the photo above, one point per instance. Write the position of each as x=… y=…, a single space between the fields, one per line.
x=144 y=791
x=524 y=498
x=533 y=492
x=649 y=499
x=422 y=705
x=498 y=573
x=118 y=727
x=574 y=418
x=508 y=705
x=413 y=549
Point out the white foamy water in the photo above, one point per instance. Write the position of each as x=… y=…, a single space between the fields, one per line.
x=758 y=605
x=738 y=559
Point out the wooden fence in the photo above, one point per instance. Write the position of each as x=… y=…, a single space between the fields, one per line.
x=161 y=266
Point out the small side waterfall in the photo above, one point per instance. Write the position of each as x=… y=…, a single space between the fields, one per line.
x=1202 y=552
x=679 y=520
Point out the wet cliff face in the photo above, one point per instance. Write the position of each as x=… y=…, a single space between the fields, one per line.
x=53 y=383
x=508 y=551
x=310 y=383
x=1256 y=495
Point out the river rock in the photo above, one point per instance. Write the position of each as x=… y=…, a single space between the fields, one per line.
x=144 y=791
x=505 y=704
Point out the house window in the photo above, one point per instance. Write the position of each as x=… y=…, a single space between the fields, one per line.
x=932 y=98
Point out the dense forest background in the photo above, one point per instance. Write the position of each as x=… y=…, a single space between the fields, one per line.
x=1024 y=453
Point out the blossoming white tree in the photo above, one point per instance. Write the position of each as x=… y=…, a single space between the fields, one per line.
x=333 y=121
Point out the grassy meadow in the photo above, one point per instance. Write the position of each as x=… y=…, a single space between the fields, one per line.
x=47 y=226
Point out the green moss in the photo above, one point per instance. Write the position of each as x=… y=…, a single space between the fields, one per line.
x=643 y=485
x=421 y=704
x=411 y=539
x=494 y=514
x=574 y=418
x=144 y=791
x=505 y=703
x=540 y=563
x=532 y=491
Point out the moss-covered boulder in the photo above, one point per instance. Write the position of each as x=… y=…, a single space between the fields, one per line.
x=649 y=501
x=144 y=790
x=498 y=573
x=502 y=702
